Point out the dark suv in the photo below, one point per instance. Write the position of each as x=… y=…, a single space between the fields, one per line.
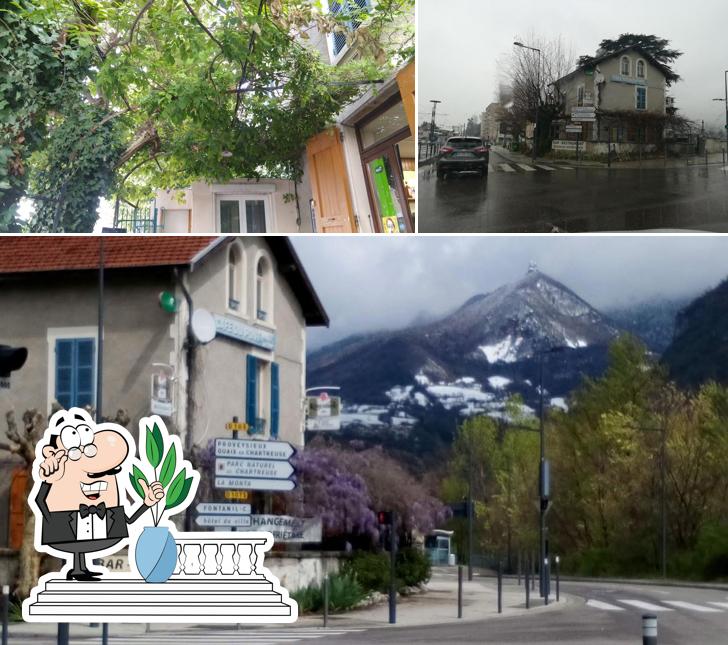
x=462 y=154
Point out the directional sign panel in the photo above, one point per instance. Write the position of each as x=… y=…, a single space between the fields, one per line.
x=581 y=118
x=222 y=508
x=259 y=468
x=251 y=449
x=584 y=110
x=288 y=529
x=573 y=128
x=254 y=484
x=223 y=520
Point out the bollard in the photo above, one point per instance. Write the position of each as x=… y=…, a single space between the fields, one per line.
x=519 y=568
x=533 y=572
x=528 y=591
x=460 y=591
x=6 y=602
x=105 y=634
x=557 y=578
x=545 y=581
x=326 y=600
x=649 y=629
x=500 y=587
x=63 y=633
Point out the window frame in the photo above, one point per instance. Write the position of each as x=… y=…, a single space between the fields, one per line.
x=638 y=89
x=241 y=193
x=54 y=334
x=641 y=62
x=335 y=57
x=242 y=311
x=580 y=89
x=268 y=290
x=621 y=66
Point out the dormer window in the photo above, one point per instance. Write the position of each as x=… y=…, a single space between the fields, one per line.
x=625 y=66
x=349 y=14
x=640 y=69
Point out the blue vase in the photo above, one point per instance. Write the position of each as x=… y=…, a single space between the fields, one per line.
x=155 y=554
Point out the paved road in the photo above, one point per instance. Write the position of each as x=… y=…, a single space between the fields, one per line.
x=520 y=197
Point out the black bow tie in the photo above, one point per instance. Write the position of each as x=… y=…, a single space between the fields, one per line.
x=99 y=510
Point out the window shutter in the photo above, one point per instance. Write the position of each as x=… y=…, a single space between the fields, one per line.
x=85 y=371
x=274 y=400
x=251 y=390
x=65 y=382
x=18 y=500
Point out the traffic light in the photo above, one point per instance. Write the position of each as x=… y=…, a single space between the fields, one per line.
x=384 y=517
x=11 y=359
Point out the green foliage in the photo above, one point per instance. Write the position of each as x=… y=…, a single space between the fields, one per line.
x=412 y=567
x=345 y=592
x=370 y=569
x=178 y=490
x=135 y=476
x=155 y=447
x=168 y=467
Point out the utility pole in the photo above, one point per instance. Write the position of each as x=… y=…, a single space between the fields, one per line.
x=432 y=121
x=470 y=511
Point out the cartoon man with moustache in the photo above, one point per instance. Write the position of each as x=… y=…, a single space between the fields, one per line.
x=80 y=501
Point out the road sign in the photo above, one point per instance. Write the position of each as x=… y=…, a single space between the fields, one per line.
x=252 y=449
x=288 y=529
x=587 y=109
x=234 y=425
x=223 y=520
x=237 y=494
x=580 y=118
x=573 y=128
x=254 y=484
x=324 y=412
x=258 y=468
x=222 y=508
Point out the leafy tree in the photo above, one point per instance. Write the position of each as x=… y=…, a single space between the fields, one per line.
x=121 y=98
x=658 y=48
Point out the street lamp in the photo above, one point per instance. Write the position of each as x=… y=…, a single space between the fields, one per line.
x=726 y=109
x=538 y=89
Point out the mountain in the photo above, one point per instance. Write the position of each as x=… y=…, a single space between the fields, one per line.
x=652 y=321
x=470 y=361
x=699 y=351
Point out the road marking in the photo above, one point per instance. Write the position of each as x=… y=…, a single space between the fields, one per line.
x=689 y=605
x=724 y=605
x=525 y=167
x=506 y=168
x=644 y=605
x=545 y=167
x=598 y=604
x=565 y=168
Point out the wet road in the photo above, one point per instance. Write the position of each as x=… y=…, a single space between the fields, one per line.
x=521 y=197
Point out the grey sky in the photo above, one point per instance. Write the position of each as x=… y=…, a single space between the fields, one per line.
x=459 y=42
x=369 y=283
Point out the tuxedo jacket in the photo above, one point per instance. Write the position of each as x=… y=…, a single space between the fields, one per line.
x=60 y=526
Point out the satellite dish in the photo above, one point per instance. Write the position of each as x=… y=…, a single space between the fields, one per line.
x=203 y=325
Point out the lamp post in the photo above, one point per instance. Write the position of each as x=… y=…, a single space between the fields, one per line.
x=538 y=90
x=726 y=109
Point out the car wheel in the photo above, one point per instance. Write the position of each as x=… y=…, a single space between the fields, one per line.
x=440 y=174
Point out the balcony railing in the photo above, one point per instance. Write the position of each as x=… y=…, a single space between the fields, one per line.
x=203 y=554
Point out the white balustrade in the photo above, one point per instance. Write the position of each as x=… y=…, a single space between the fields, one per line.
x=206 y=554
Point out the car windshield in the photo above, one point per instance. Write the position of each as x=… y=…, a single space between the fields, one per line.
x=465 y=143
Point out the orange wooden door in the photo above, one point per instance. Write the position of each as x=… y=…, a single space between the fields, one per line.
x=329 y=183
x=18 y=500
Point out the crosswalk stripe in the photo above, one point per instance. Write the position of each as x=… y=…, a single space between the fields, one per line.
x=525 y=167
x=545 y=167
x=693 y=607
x=598 y=604
x=566 y=168
x=723 y=605
x=640 y=604
x=506 y=168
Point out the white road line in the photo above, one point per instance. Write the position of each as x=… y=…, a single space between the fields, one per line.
x=598 y=604
x=644 y=605
x=681 y=604
x=506 y=168
x=565 y=168
x=545 y=167
x=526 y=168
x=724 y=605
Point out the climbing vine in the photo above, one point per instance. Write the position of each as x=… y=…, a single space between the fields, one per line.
x=118 y=99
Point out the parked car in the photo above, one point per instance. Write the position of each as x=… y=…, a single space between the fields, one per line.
x=463 y=154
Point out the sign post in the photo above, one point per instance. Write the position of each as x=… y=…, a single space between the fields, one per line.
x=323 y=411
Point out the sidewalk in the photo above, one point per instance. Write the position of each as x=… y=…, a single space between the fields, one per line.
x=437 y=606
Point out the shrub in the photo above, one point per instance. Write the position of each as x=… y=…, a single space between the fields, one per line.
x=345 y=592
x=371 y=570
x=412 y=567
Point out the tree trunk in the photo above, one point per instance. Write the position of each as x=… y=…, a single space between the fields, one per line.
x=29 y=561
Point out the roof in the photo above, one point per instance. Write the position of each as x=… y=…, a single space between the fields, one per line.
x=36 y=254
x=598 y=59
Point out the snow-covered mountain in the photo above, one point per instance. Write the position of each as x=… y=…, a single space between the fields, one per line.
x=472 y=360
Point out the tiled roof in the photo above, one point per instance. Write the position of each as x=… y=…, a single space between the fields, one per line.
x=31 y=253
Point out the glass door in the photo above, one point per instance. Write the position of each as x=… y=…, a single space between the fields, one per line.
x=243 y=214
x=387 y=191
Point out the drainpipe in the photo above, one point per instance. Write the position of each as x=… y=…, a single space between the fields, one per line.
x=190 y=346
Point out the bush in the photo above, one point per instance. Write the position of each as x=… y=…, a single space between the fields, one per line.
x=412 y=567
x=371 y=570
x=345 y=592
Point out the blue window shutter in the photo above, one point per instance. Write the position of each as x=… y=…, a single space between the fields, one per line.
x=85 y=372
x=75 y=372
x=65 y=391
x=275 y=405
x=251 y=390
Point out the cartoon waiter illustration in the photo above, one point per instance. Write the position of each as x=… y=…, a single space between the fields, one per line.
x=81 y=500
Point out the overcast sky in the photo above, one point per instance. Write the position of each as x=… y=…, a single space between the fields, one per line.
x=384 y=282
x=459 y=42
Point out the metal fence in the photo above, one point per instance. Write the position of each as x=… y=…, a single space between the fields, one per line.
x=139 y=219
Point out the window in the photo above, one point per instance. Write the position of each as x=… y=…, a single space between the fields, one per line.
x=640 y=69
x=641 y=98
x=351 y=14
x=243 y=214
x=625 y=66
x=74 y=371
x=580 y=96
x=262 y=404
x=262 y=288
x=235 y=278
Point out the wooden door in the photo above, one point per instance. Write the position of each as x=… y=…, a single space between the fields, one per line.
x=329 y=183
x=18 y=501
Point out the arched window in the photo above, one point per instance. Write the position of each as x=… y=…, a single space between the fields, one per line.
x=640 y=69
x=235 y=278
x=625 y=66
x=263 y=296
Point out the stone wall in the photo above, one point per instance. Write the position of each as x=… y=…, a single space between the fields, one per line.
x=297 y=570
